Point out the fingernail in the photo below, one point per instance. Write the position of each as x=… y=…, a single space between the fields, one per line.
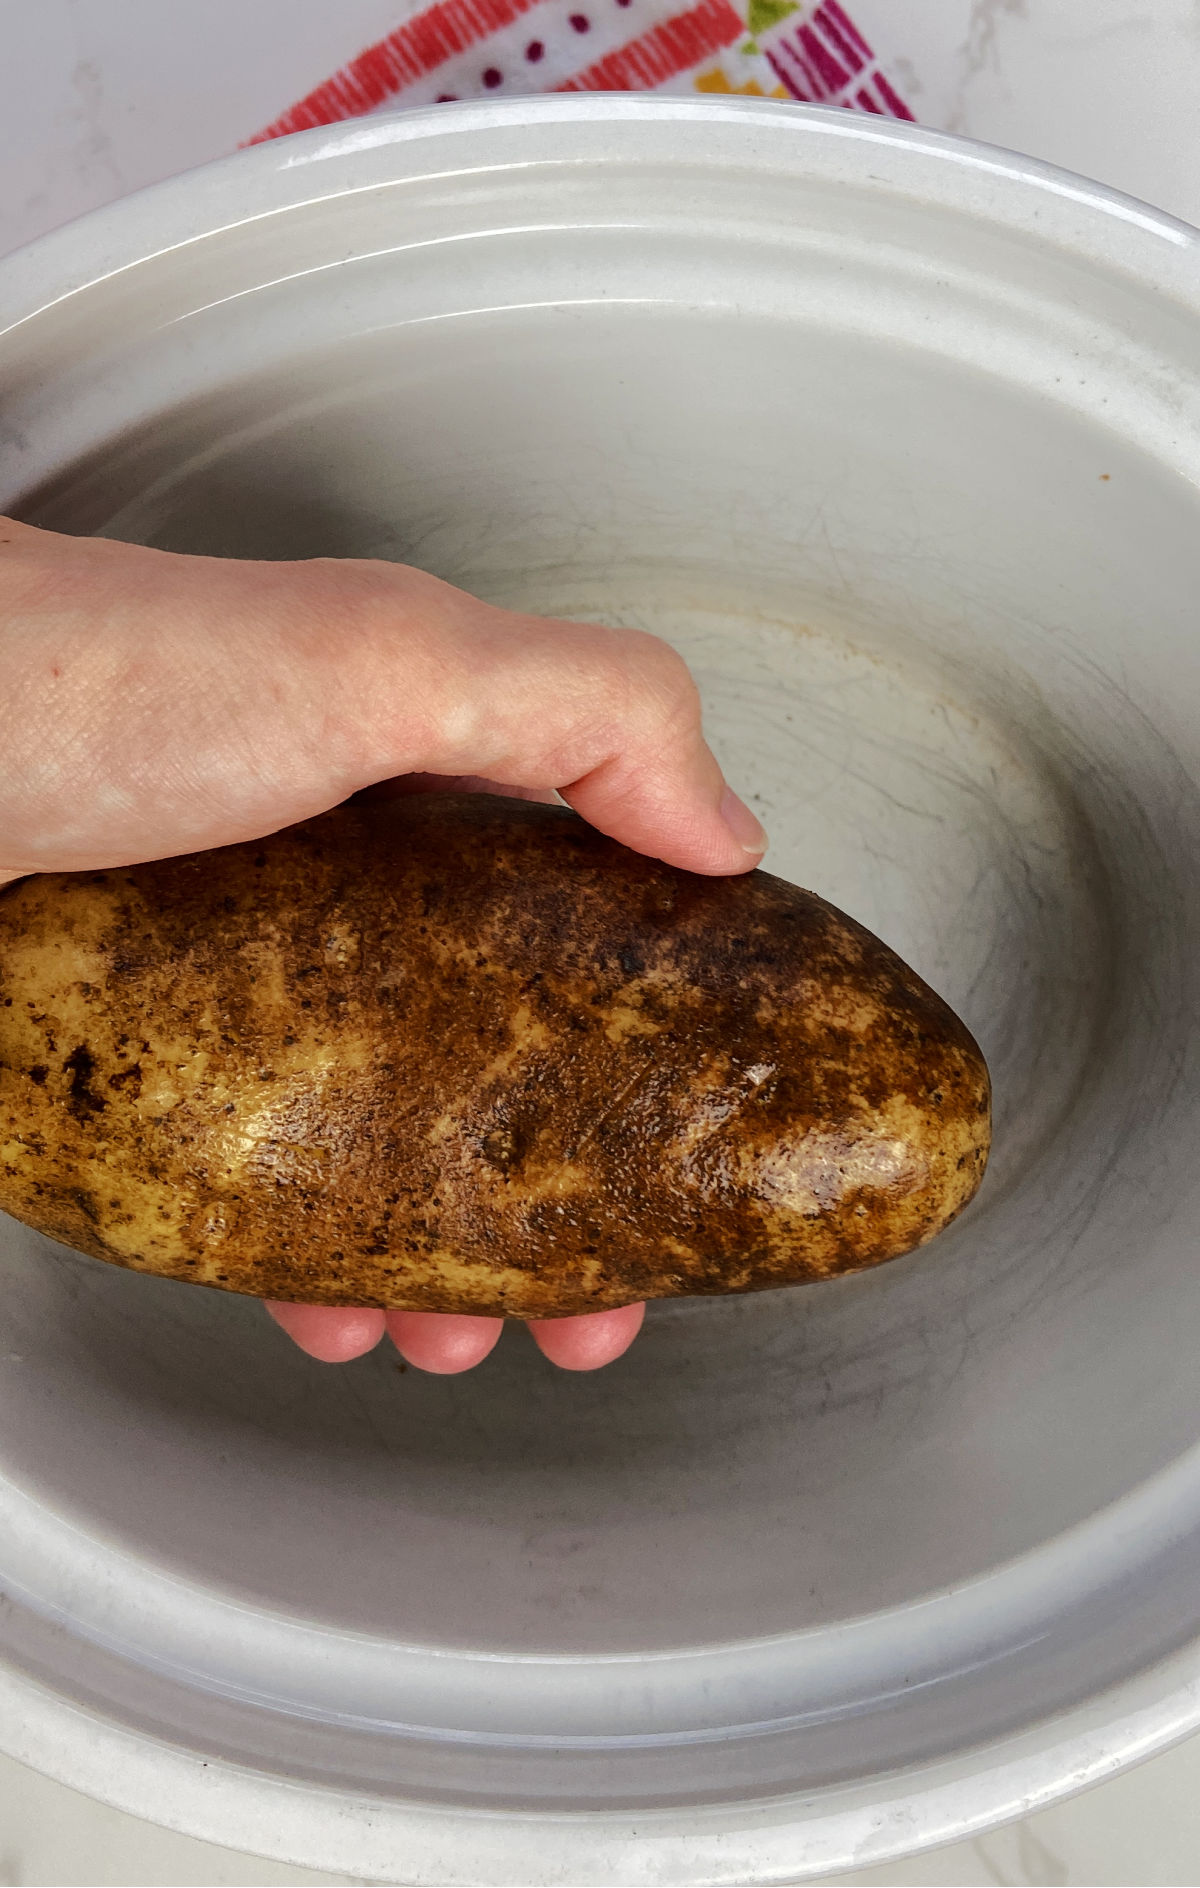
x=742 y=823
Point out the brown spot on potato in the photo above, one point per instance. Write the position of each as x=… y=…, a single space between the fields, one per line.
x=500 y=1147
x=82 y=1098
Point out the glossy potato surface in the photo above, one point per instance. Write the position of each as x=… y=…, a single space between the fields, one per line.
x=459 y=1053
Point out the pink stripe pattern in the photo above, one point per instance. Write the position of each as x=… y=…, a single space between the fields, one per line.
x=821 y=58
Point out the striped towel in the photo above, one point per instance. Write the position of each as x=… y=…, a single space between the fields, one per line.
x=810 y=50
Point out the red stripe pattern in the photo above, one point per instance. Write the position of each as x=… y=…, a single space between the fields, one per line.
x=674 y=46
x=378 y=74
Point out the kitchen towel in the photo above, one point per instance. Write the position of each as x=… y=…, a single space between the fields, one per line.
x=808 y=50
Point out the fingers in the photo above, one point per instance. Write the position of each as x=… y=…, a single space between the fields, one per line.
x=158 y=704
x=441 y=1342
x=327 y=1332
x=432 y=1341
x=445 y=1344
x=590 y=1341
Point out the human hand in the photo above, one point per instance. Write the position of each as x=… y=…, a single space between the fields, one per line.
x=158 y=704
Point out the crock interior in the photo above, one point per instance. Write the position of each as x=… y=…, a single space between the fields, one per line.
x=891 y=481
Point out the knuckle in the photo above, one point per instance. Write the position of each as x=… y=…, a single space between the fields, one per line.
x=666 y=693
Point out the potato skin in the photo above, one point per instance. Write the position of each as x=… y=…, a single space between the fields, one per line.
x=462 y=1053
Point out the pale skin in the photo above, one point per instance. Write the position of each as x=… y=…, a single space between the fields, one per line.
x=157 y=704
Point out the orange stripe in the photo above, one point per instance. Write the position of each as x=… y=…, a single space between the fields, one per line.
x=671 y=48
x=414 y=49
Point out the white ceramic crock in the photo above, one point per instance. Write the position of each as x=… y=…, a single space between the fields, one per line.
x=899 y=439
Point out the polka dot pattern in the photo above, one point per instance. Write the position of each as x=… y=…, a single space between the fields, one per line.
x=492 y=77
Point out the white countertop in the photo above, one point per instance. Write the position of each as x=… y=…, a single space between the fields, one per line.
x=107 y=96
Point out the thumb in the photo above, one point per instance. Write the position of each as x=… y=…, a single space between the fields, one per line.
x=162 y=703
x=609 y=718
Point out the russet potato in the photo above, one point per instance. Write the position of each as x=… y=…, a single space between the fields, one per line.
x=462 y=1053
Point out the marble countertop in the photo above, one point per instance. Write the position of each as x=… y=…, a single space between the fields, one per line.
x=118 y=93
